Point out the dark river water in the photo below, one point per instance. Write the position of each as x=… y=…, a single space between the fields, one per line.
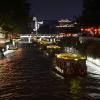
x=28 y=75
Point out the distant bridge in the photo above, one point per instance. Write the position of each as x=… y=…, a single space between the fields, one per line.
x=25 y=38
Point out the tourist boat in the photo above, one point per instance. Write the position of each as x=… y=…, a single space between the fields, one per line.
x=70 y=64
x=42 y=44
x=53 y=49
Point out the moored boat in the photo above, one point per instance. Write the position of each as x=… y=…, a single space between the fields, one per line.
x=70 y=64
x=53 y=49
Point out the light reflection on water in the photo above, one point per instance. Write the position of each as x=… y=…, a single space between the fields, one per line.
x=92 y=68
x=27 y=75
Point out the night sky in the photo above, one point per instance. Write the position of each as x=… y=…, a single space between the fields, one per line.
x=55 y=9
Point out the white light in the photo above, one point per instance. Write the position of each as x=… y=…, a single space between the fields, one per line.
x=76 y=59
x=47 y=54
x=58 y=75
x=95 y=61
x=59 y=69
x=92 y=68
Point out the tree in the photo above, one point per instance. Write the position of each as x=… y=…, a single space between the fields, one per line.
x=49 y=27
x=83 y=47
x=94 y=49
x=91 y=13
x=14 y=15
x=68 y=42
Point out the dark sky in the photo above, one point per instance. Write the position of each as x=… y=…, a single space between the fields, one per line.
x=55 y=9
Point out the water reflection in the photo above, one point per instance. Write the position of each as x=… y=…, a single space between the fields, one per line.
x=27 y=74
x=75 y=86
x=75 y=89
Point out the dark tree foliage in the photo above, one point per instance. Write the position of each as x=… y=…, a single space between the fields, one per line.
x=90 y=48
x=94 y=49
x=68 y=42
x=91 y=13
x=71 y=30
x=48 y=28
x=83 y=47
x=14 y=15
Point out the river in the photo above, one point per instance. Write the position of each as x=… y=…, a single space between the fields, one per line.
x=27 y=75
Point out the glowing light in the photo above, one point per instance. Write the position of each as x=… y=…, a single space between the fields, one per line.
x=98 y=29
x=53 y=47
x=82 y=29
x=75 y=86
x=93 y=68
x=59 y=69
x=58 y=75
x=95 y=61
x=76 y=59
x=43 y=42
x=71 y=56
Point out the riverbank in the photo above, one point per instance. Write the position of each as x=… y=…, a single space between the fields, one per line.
x=29 y=76
x=8 y=52
x=3 y=60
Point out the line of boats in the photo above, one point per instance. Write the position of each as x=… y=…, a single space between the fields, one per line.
x=65 y=64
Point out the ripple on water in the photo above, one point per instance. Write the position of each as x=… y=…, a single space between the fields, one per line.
x=29 y=76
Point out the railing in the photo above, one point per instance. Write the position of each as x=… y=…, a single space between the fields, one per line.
x=25 y=35
x=89 y=38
